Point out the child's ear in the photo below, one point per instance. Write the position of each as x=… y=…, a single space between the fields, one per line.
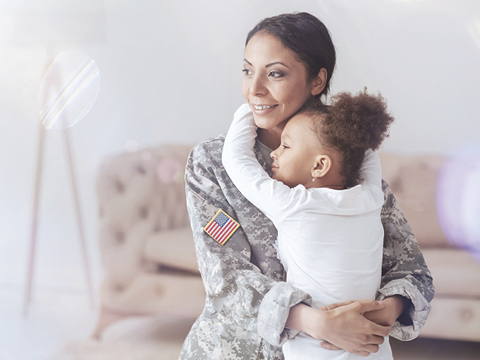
x=323 y=164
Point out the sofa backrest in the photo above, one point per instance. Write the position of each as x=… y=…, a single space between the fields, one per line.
x=413 y=180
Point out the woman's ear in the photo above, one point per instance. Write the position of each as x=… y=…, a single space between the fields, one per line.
x=323 y=164
x=318 y=84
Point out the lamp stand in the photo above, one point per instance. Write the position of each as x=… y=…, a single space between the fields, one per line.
x=34 y=223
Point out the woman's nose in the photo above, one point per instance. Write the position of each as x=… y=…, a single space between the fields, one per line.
x=257 y=87
x=273 y=154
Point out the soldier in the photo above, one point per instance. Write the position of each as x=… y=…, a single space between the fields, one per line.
x=250 y=310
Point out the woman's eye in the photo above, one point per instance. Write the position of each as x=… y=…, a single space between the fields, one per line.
x=276 y=74
x=246 y=71
x=286 y=147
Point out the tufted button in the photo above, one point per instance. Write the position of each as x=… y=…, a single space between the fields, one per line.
x=148 y=266
x=118 y=287
x=159 y=290
x=141 y=170
x=119 y=237
x=143 y=212
x=466 y=314
x=396 y=186
x=119 y=186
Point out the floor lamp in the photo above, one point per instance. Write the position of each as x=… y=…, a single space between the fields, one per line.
x=68 y=91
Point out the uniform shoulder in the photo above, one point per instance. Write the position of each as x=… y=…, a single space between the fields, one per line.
x=211 y=143
x=208 y=151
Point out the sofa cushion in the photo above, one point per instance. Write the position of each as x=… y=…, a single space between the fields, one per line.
x=453 y=319
x=455 y=272
x=172 y=248
x=155 y=293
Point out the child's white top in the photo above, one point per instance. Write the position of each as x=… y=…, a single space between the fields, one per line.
x=330 y=241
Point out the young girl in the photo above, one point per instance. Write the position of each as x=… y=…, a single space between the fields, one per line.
x=326 y=210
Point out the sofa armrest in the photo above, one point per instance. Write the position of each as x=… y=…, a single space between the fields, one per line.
x=173 y=248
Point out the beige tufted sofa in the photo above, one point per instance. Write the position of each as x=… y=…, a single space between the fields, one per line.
x=456 y=273
x=149 y=261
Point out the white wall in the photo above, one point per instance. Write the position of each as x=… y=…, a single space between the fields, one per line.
x=170 y=72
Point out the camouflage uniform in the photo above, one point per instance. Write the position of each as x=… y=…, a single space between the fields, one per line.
x=248 y=300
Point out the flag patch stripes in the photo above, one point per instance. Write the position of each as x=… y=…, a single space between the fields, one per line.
x=221 y=227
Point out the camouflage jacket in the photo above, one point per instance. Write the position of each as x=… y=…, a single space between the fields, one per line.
x=248 y=300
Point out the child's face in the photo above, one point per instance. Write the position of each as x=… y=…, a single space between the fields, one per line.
x=293 y=160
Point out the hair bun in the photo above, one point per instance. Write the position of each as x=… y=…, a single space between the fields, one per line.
x=359 y=120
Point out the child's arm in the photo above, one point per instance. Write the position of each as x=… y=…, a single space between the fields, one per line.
x=372 y=169
x=272 y=197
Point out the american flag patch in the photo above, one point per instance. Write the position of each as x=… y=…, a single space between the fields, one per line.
x=221 y=227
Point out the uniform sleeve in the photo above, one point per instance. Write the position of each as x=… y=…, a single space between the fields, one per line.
x=272 y=197
x=235 y=287
x=404 y=271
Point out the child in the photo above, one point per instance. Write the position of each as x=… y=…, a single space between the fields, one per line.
x=325 y=199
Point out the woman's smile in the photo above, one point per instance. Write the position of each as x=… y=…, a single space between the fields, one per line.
x=262 y=109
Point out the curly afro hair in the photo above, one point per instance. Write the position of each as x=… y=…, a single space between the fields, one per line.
x=351 y=125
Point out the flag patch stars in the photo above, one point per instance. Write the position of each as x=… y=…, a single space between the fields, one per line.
x=221 y=227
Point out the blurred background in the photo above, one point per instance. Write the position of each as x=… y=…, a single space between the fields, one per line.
x=171 y=73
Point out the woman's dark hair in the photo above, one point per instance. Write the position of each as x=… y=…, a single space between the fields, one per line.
x=307 y=37
x=351 y=125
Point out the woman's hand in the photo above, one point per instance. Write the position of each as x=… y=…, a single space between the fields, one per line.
x=394 y=307
x=343 y=326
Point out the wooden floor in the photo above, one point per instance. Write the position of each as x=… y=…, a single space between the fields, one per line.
x=171 y=332
x=63 y=320
x=435 y=349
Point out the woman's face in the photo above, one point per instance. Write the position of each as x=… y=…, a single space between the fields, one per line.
x=275 y=83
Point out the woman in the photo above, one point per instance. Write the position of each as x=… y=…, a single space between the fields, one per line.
x=250 y=310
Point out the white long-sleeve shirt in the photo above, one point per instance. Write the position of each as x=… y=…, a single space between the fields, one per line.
x=329 y=241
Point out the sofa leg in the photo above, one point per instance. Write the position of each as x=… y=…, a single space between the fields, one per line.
x=105 y=318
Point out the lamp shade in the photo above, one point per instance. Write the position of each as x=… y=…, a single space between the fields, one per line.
x=68 y=90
